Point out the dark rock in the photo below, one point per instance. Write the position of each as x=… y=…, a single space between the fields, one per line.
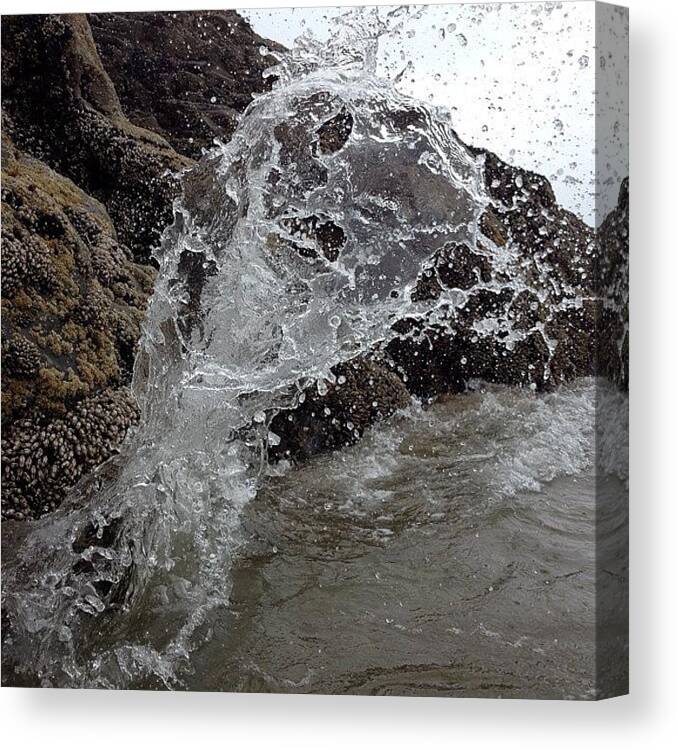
x=492 y=228
x=434 y=359
x=185 y=75
x=429 y=360
x=538 y=335
x=326 y=235
x=527 y=310
x=452 y=267
x=298 y=149
x=612 y=279
x=574 y=331
x=365 y=392
x=334 y=133
x=511 y=185
x=484 y=304
x=62 y=108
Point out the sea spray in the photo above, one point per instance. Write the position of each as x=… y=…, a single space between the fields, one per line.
x=252 y=302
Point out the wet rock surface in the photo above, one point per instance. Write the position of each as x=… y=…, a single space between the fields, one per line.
x=73 y=300
x=364 y=392
x=612 y=276
x=183 y=75
x=500 y=331
x=63 y=109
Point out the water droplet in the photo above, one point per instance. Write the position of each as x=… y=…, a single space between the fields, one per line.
x=64 y=634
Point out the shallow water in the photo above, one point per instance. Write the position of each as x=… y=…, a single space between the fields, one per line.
x=451 y=552
x=471 y=548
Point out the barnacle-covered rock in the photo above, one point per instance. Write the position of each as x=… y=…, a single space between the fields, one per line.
x=25 y=261
x=612 y=277
x=333 y=415
x=73 y=301
x=43 y=457
x=21 y=357
x=63 y=109
x=74 y=239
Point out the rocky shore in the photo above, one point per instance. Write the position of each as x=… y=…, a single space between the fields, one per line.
x=86 y=192
x=100 y=115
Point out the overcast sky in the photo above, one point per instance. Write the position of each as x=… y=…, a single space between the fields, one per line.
x=518 y=78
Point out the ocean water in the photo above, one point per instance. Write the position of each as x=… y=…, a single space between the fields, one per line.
x=456 y=551
x=452 y=552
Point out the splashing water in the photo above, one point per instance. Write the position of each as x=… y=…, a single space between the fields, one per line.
x=294 y=248
x=288 y=252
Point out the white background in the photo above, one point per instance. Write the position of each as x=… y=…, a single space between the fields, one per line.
x=511 y=79
x=645 y=719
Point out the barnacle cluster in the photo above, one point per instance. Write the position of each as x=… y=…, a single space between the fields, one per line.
x=25 y=262
x=21 y=357
x=93 y=310
x=41 y=458
x=73 y=301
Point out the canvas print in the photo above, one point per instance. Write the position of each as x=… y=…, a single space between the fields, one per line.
x=315 y=350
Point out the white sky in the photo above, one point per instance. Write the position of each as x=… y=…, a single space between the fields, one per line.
x=518 y=78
